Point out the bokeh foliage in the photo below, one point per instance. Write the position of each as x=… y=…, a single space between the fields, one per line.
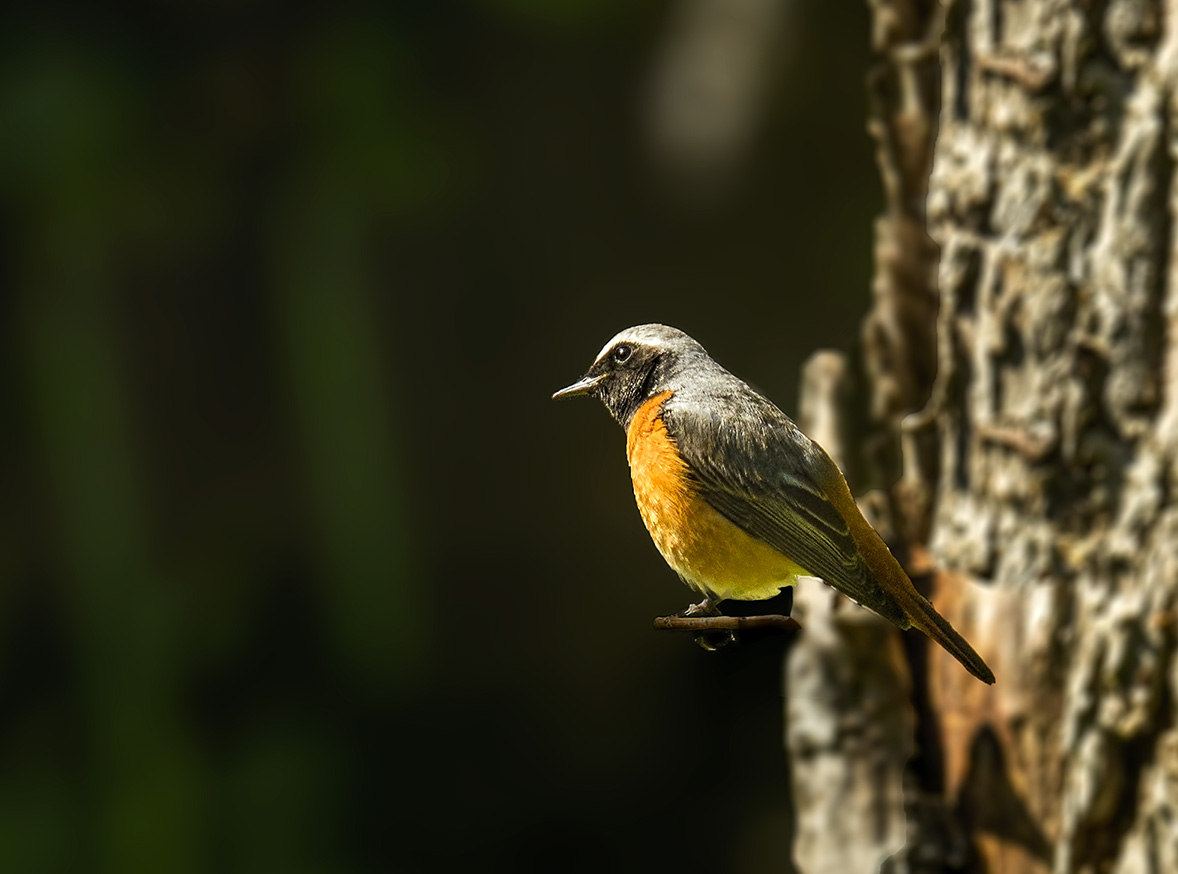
x=299 y=569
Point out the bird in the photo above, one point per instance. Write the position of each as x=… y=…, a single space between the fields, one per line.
x=737 y=499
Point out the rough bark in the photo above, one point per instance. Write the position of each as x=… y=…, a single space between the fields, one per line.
x=1039 y=454
x=852 y=713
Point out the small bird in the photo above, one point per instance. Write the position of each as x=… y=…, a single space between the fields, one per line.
x=737 y=499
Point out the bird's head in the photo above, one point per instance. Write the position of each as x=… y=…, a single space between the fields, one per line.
x=633 y=367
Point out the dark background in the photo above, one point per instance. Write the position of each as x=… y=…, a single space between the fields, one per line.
x=301 y=569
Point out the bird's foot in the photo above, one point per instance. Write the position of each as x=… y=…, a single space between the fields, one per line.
x=714 y=640
x=706 y=607
x=709 y=640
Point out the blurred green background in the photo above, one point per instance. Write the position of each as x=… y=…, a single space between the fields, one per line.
x=301 y=569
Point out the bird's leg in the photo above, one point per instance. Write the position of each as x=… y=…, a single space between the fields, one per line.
x=709 y=640
x=706 y=607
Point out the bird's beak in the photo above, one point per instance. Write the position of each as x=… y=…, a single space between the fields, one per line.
x=582 y=386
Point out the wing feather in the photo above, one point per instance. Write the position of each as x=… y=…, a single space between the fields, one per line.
x=753 y=465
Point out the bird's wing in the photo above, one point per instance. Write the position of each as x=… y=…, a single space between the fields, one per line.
x=752 y=464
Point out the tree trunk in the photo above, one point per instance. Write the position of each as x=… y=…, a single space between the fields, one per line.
x=1036 y=416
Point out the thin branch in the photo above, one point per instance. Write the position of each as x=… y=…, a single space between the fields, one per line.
x=725 y=623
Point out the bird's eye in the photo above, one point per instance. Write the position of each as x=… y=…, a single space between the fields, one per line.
x=621 y=353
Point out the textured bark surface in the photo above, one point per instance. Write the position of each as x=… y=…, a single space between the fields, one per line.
x=853 y=718
x=848 y=721
x=1040 y=453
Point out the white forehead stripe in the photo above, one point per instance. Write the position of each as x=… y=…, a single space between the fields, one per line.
x=628 y=338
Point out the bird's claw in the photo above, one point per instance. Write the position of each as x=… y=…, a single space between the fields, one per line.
x=714 y=640
x=705 y=607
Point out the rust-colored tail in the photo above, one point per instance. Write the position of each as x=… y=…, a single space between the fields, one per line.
x=922 y=615
x=899 y=601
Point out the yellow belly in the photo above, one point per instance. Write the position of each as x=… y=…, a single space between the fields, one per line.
x=713 y=555
x=710 y=553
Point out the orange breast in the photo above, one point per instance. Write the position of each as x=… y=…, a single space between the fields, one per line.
x=707 y=551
